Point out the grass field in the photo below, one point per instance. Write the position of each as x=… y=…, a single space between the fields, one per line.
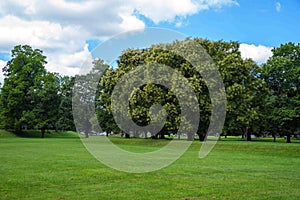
x=61 y=168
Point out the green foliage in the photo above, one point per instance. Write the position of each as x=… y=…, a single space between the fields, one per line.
x=65 y=119
x=45 y=99
x=260 y=99
x=244 y=88
x=31 y=97
x=25 y=74
x=282 y=75
x=85 y=98
x=147 y=95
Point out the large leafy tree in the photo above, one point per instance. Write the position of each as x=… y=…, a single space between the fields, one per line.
x=29 y=94
x=45 y=104
x=282 y=75
x=244 y=88
x=146 y=95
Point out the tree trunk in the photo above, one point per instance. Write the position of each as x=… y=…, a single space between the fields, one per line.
x=135 y=134
x=56 y=127
x=274 y=137
x=288 y=138
x=18 y=131
x=154 y=136
x=246 y=133
x=162 y=135
x=43 y=132
x=201 y=137
x=190 y=137
x=87 y=128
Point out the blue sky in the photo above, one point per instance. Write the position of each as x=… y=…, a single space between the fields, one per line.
x=259 y=22
x=252 y=22
x=67 y=30
x=266 y=23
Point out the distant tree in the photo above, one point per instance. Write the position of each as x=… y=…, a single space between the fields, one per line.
x=282 y=75
x=65 y=115
x=84 y=97
x=104 y=115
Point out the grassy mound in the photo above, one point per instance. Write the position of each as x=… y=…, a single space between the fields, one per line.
x=37 y=134
x=6 y=134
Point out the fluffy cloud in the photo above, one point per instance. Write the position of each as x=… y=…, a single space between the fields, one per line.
x=69 y=63
x=104 y=18
x=40 y=34
x=278 y=6
x=56 y=41
x=61 y=27
x=168 y=10
x=259 y=54
x=2 y=64
x=97 y=18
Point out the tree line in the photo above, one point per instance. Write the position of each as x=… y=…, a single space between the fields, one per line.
x=261 y=99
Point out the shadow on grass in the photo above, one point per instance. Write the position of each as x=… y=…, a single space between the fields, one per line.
x=37 y=134
x=260 y=139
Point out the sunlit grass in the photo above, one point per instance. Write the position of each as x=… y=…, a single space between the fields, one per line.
x=61 y=168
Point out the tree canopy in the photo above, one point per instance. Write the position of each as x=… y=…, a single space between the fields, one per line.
x=30 y=95
x=282 y=75
x=261 y=100
x=243 y=87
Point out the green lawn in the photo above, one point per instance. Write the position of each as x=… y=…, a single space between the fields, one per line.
x=61 y=168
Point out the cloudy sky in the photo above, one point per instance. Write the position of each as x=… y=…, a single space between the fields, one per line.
x=67 y=30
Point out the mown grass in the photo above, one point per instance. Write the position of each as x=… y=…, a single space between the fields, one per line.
x=61 y=168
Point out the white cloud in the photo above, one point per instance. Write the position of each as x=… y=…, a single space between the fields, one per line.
x=131 y=23
x=63 y=45
x=69 y=63
x=97 y=18
x=259 y=54
x=2 y=64
x=278 y=6
x=39 y=34
x=61 y=27
x=168 y=10
x=103 y=18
